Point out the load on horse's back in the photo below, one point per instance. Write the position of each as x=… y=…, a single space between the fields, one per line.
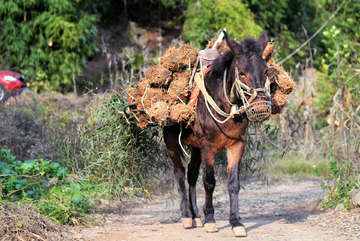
x=224 y=93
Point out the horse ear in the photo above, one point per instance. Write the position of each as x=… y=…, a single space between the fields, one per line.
x=233 y=45
x=263 y=40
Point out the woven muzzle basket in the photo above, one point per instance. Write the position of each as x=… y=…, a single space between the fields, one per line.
x=259 y=111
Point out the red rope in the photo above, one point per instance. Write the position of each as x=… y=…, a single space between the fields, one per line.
x=195 y=93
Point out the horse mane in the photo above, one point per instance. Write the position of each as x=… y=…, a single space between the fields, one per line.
x=248 y=46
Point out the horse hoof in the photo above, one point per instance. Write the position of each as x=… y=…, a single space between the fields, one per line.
x=210 y=228
x=197 y=223
x=187 y=222
x=239 y=231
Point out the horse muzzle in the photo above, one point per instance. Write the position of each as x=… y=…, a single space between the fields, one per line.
x=258 y=111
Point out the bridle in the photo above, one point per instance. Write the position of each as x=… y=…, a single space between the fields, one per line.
x=256 y=111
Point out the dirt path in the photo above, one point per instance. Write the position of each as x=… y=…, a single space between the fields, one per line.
x=279 y=211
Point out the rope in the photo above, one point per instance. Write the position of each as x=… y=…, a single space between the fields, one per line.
x=267 y=138
x=317 y=32
x=224 y=81
x=182 y=148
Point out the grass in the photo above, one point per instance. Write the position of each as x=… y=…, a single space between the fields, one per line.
x=295 y=167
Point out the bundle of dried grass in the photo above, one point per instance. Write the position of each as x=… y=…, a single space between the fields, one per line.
x=165 y=86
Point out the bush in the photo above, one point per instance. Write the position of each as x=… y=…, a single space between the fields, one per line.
x=119 y=156
x=47 y=185
x=343 y=179
x=206 y=17
x=48 y=41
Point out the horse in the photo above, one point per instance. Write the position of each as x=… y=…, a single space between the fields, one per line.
x=211 y=132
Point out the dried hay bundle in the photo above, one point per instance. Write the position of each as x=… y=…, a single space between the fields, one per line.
x=267 y=55
x=180 y=113
x=284 y=82
x=166 y=104
x=175 y=59
x=278 y=100
x=184 y=74
x=158 y=75
x=132 y=95
x=152 y=96
x=141 y=86
x=159 y=113
x=187 y=55
x=178 y=90
x=221 y=47
x=170 y=59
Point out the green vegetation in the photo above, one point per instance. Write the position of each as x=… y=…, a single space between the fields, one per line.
x=292 y=166
x=206 y=17
x=342 y=180
x=47 y=185
x=48 y=41
x=121 y=157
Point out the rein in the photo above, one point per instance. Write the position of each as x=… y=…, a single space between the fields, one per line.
x=239 y=86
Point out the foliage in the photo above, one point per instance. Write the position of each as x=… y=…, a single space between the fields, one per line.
x=117 y=154
x=293 y=166
x=45 y=184
x=206 y=17
x=343 y=179
x=48 y=41
x=342 y=40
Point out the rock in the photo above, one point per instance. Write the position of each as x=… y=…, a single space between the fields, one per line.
x=355 y=199
x=339 y=207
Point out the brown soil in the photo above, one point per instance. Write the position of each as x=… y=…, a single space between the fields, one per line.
x=277 y=211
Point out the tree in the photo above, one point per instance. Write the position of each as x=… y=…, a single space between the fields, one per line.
x=206 y=17
x=47 y=40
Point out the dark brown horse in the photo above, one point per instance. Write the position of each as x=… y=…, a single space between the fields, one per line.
x=208 y=136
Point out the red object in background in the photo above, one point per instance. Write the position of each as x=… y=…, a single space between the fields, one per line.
x=11 y=84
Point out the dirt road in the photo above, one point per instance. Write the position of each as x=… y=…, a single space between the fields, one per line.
x=280 y=211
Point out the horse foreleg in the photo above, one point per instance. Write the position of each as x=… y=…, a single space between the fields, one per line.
x=234 y=157
x=207 y=159
x=193 y=174
x=179 y=173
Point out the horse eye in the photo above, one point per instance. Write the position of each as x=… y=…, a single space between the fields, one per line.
x=242 y=74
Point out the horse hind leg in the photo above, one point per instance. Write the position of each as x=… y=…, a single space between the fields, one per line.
x=174 y=151
x=234 y=158
x=193 y=174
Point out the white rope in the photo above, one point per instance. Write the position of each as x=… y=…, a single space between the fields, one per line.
x=207 y=105
x=182 y=148
x=317 y=32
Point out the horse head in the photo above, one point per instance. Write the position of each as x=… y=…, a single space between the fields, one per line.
x=248 y=76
